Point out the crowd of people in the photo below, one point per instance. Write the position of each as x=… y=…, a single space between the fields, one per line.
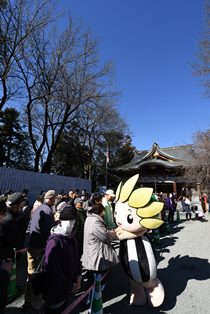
x=189 y=202
x=65 y=234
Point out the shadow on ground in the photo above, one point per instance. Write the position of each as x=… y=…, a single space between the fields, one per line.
x=180 y=270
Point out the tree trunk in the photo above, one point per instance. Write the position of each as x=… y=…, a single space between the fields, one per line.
x=48 y=163
x=36 y=162
x=4 y=97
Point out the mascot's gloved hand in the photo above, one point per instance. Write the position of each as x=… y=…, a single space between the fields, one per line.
x=123 y=234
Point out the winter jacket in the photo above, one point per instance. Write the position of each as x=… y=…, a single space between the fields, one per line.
x=42 y=221
x=98 y=254
x=13 y=232
x=62 y=267
x=80 y=221
x=169 y=203
x=108 y=214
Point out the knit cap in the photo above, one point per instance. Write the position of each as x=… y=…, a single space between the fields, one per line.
x=68 y=213
x=15 y=199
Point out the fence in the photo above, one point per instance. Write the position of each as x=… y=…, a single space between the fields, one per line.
x=18 y=180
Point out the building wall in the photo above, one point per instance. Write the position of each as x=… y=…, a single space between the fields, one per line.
x=17 y=180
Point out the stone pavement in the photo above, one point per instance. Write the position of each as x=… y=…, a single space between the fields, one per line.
x=183 y=267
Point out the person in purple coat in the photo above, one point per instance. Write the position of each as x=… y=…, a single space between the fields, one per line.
x=62 y=264
x=170 y=206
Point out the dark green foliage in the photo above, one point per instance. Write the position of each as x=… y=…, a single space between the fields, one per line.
x=14 y=142
x=70 y=156
x=73 y=158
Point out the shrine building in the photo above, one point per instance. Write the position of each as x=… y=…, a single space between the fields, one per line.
x=160 y=168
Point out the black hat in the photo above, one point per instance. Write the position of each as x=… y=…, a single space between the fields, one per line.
x=68 y=213
x=15 y=199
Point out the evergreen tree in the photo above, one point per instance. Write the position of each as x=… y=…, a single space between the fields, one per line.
x=15 y=147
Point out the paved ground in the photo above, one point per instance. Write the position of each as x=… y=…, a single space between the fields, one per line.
x=184 y=269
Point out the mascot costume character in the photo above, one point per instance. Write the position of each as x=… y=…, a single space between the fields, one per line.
x=136 y=212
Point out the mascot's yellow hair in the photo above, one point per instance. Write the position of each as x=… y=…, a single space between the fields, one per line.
x=142 y=199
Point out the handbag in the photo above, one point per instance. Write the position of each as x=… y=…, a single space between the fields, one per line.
x=108 y=259
x=37 y=279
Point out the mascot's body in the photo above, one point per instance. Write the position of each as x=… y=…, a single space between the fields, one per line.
x=135 y=212
x=137 y=259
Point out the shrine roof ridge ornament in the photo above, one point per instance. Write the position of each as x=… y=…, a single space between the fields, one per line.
x=170 y=157
x=157 y=153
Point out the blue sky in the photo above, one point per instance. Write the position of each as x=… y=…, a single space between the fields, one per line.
x=152 y=44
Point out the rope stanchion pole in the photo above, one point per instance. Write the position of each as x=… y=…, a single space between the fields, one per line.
x=166 y=225
x=156 y=236
x=177 y=216
x=96 y=302
x=13 y=290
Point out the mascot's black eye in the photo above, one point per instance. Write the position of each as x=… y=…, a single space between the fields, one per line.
x=130 y=219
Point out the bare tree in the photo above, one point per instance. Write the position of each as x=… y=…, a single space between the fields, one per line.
x=61 y=78
x=18 y=20
x=83 y=147
x=95 y=124
x=201 y=66
x=198 y=170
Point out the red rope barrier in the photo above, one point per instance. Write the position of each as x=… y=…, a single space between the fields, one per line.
x=80 y=298
x=22 y=250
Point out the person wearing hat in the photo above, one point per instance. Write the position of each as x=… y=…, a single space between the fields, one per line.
x=62 y=263
x=42 y=221
x=58 y=209
x=108 y=211
x=80 y=222
x=12 y=234
x=14 y=224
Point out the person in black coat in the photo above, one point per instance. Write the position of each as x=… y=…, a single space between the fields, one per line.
x=4 y=271
x=13 y=227
x=15 y=223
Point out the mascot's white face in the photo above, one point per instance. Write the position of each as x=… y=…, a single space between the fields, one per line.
x=126 y=217
x=138 y=209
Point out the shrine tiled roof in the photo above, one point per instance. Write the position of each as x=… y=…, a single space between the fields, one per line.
x=169 y=157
